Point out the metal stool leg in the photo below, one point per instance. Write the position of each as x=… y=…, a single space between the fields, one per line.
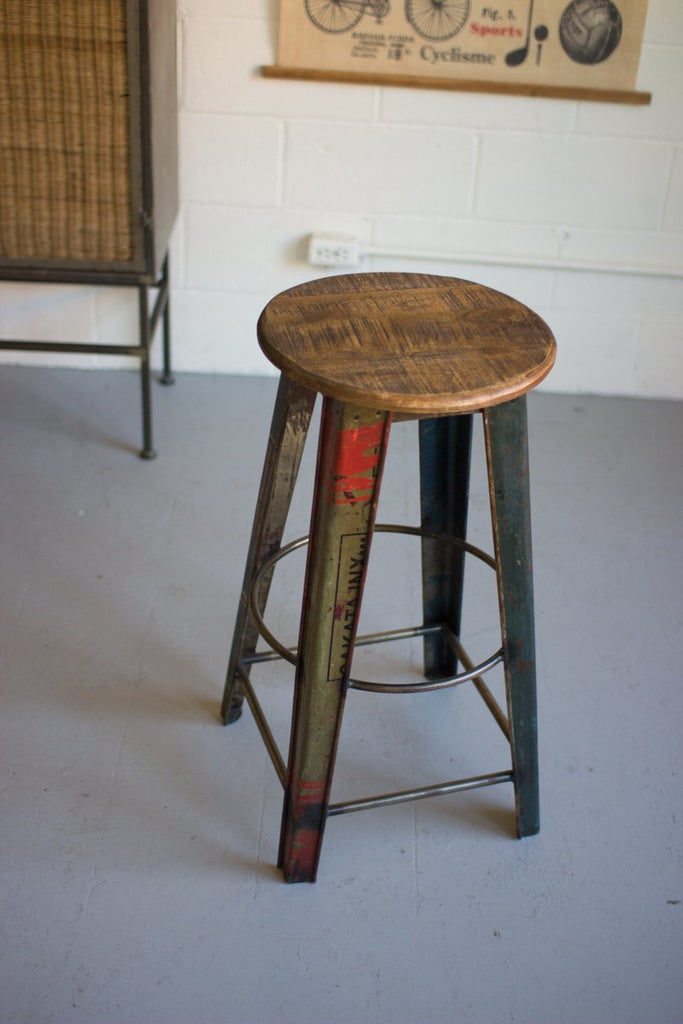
x=505 y=429
x=350 y=460
x=445 y=446
x=289 y=427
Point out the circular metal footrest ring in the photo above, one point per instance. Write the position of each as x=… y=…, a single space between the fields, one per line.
x=290 y=654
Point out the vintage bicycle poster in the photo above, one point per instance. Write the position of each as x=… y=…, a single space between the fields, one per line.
x=587 y=44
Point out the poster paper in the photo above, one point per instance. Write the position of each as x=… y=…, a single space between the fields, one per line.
x=593 y=44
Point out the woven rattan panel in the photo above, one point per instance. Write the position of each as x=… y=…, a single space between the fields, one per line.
x=65 y=178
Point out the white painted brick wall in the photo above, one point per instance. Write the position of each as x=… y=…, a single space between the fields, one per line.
x=379 y=168
x=264 y=163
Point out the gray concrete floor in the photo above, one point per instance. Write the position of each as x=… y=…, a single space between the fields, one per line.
x=139 y=836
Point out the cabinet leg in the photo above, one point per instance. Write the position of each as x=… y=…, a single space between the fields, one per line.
x=148 y=451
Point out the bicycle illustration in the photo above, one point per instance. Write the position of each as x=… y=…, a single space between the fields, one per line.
x=432 y=19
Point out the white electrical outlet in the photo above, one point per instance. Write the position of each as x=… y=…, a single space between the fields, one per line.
x=332 y=250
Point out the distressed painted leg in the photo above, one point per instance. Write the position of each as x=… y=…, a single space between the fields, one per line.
x=291 y=418
x=350 y=459
x=505 y=429
x=445 y=446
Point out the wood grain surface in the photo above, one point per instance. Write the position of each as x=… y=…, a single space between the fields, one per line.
x=557 y=92
x=408 y=343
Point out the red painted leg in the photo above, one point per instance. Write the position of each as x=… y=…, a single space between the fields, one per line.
x=350 y=459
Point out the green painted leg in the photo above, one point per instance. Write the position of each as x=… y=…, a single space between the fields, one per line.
x=291 y=418
x=505 y=429
x=350 y=459
x=445 y=445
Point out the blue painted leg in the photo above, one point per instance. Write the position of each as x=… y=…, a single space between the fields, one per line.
x=505 y=428
x=445 y=445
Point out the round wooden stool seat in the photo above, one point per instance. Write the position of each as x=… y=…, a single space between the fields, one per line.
x=418 y=344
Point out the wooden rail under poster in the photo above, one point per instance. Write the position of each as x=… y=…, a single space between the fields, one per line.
x=563 y=49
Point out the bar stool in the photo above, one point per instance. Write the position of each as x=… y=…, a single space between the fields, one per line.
x=378 y=348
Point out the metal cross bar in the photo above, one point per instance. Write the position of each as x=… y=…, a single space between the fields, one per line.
x=472 y=672
x=361 y=641
x=482 y=689
x=406 y=795
x=262 y=724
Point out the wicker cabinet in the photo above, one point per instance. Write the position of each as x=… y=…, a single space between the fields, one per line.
x=88 y=153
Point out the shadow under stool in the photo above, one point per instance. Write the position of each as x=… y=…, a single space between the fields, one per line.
x=381 y=348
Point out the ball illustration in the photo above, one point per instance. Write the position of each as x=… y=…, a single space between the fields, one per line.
x=590 y=30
